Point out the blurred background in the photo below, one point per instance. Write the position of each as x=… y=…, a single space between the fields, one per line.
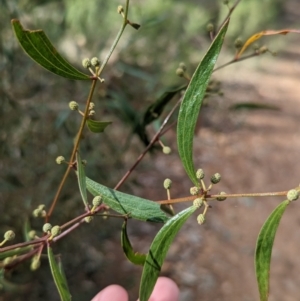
x=254 y=150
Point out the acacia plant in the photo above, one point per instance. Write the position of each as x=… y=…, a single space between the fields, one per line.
x=111 y=202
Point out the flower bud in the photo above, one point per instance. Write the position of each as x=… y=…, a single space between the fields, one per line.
x=292 y=195
x=210 y=27
x=32 y=234
x=198 y=203
x=120 y=9
x=238 y=43
x=167 y=183
x=55 y=231
x=7 y=260
x=201 y=219
x=73 y=105
x=35 y=263
x=95 y=62
x=88 y=219
x=92 y=113
x=180 y=72
x=200 y=174
x=9 y=235
x=263 y=49
x=60 y=160
x=194 y=190
x=182 y=66
x=97 y=200
x=166 y=150
x=91 y=106
x=220 y=198
x=47 y=227
x=86 y=63
x=216 y=178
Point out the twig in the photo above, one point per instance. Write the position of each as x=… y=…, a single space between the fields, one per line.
x=154 y=139
x=229 y=14
x=256 y=53
x=213 y=196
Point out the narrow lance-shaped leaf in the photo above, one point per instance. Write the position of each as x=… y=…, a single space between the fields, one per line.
x=97 y=126
x=158 y=251
x=135 y=207
x=59 y=279
x=81 y=180
x=134 y=257
x=37 y=45
x=191 y=104
x=258 y=35
x=263 y=250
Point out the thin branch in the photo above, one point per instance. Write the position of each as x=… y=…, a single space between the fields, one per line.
x=229 y=14
x=78 y=138
x=235 y=60
x=154 y=139
x=213 y=196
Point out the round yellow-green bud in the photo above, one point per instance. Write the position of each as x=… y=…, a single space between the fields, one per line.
x=182 y=66
x=263 y=49
x=86 y=63
x=220 y=198
x=292 y=195
x=180 y=72
x=167 y=183
x=7 y=260
x=95 y=62
x=201 y=219
x=73 y=105
x=194 y=190
x=36 y=212
x=91 y=106
x=200 y=174
x=60 y=160
x=92 y=113
x=55 y=231
x=35 y=263
x=216 y=178
x=88 y=219
x=210 y=27
x=120 y=9
x=47 y=227
x=238 y=43
x=166 y=150
x=84 y=162
x=32 y=234
x=41 y=207
x=9 y=235
x=198 y=202
x=97 y=200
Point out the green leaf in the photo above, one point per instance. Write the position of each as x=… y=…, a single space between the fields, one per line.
x=158 y=251
x=59 y=279
x=97 y=126
x=191 y=104
x=37 y=45
x=134 y=257
x=136 y=207
x=264 y=250
x=81 y=180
